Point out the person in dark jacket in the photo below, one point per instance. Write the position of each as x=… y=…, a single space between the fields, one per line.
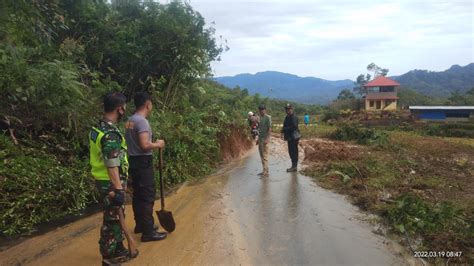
x=291 y=134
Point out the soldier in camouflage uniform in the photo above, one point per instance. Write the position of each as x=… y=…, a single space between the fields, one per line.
x=108 y=158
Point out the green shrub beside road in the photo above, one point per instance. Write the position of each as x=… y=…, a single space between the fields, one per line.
x=37 y=187
x=359 y=134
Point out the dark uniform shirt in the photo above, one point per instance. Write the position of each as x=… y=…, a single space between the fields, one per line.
x=290 y=125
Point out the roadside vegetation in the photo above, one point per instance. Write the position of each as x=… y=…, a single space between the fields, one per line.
x=420 y=184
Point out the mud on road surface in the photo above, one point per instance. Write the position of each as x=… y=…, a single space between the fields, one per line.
x=234 y=218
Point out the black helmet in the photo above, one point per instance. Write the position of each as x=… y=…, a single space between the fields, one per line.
x=288 y=106
x=262 y=107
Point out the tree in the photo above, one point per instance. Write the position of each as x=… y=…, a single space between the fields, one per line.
x=457 y=98
x=470 y=92
x=164 y=49
x=346 y=94
x=378 y=71
x=362 y=79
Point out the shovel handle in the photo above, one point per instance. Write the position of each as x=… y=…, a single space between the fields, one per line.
x=160 y=170
x=132 y=246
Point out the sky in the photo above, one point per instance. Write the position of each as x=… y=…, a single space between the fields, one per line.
x=333 y=39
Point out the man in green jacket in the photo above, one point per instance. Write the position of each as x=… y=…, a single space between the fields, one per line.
x=264 y=135
x=108 y=159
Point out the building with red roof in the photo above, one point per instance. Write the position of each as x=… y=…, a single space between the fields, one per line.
x=381 y=94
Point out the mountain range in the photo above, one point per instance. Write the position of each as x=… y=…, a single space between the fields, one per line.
x=315 y=90
x=287 y=86
x=439 y=84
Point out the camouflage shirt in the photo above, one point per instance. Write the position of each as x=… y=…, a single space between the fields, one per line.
x=114 y=150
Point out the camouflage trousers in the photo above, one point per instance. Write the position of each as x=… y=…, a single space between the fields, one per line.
x=111 y=234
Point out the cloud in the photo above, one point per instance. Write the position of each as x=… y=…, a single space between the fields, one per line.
x=337 y=39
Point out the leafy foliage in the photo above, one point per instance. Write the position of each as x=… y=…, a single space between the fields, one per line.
x=345 y=94
x=411 y=97
x=457 y=130
x=458 y=98
x=362 y=135
x=331 y=114
x=363 y=79
x=57 y=58
x=378 y=71
x=414 y=215
x=36 y=187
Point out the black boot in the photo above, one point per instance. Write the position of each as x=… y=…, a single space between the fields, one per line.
x=155 y=236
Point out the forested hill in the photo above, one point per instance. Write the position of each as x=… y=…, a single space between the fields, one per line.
x=439 y=84
x=287 y=86
x=315 y=90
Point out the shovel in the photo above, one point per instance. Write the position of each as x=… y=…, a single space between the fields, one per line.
x=165 y=217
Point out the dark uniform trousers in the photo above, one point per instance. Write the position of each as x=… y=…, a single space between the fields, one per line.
x=144 y=191
x=293 y=151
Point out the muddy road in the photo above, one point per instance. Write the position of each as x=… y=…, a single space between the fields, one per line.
x=234 y=218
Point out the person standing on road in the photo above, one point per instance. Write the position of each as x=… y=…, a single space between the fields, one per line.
x=306 y=120
x=108 y=159
x=292 y=135
x=253 y=121
x=138 y=134
x=264 y=134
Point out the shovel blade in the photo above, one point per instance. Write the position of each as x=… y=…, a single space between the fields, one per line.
x=166 y=220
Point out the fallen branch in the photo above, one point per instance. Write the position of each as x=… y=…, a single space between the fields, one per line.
x=10 y=129
x=387 y=200
x=361 y=177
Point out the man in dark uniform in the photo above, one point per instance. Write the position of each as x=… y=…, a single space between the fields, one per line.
x=108 y=159
x=291 y=134
x=138 y=134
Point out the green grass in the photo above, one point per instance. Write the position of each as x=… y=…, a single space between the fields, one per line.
x=424 y=181
x=317 y=130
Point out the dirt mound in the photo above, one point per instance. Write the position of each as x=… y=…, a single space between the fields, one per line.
x=321 y=150
x=383 y=118
x=235 y=144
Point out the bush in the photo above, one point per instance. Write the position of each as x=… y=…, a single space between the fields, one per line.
x=36 y=188
x=413 y=215
x=457 y=130
x=46 y=90
x=192 y=141
x=365 y=136
x=347 y=104
x=330 y=114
